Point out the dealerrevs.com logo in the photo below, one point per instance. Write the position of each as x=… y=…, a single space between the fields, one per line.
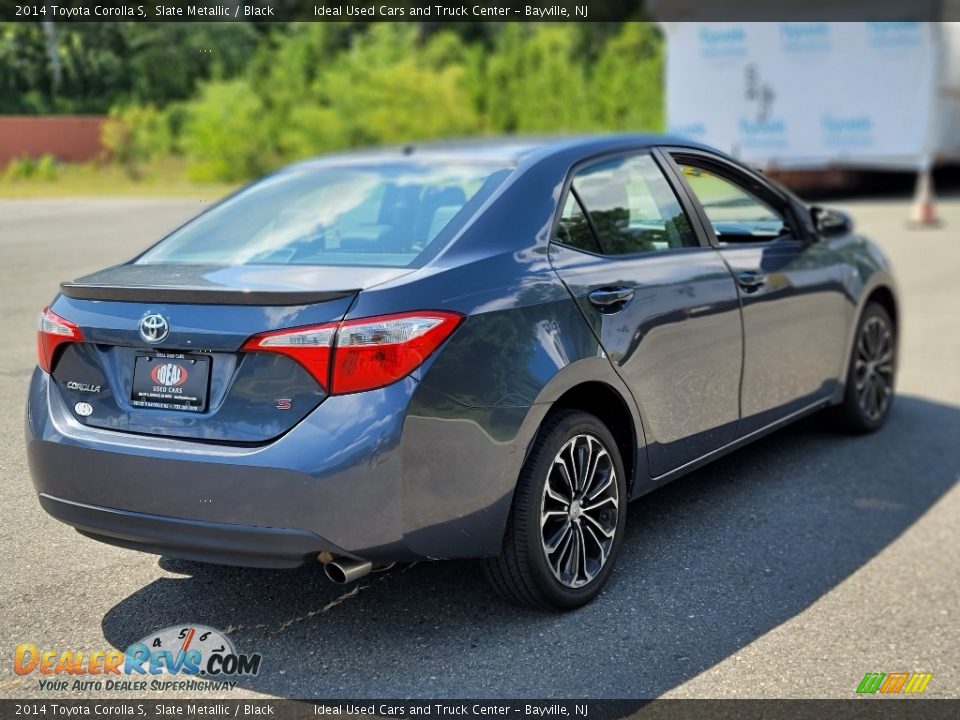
x=183 y=652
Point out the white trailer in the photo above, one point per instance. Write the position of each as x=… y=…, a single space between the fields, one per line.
x=818 y=95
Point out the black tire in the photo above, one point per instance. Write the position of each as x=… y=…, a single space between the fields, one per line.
x=522 y=572
x=871 y=371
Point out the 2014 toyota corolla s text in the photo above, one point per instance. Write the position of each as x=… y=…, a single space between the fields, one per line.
x=479 y=350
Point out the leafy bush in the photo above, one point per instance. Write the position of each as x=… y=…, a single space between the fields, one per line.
x=28 y=168
x=46 y=168
x=21 y=168
x=383 y=90
x=226 y=133
x=134 y=135
x=534 y=81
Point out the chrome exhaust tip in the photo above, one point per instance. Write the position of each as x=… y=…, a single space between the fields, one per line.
x=345 y=570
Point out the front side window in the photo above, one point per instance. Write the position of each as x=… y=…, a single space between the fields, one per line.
x=391 y=215
x=631 y=207
x=735 y=214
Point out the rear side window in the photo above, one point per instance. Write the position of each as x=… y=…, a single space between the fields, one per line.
x=573 y=229
x=391 y=215
x=631 y=207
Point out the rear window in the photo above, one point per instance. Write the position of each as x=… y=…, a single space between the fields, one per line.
x=390 y=215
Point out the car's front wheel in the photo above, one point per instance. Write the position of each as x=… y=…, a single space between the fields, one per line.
x=870 y=375
x=566 y=524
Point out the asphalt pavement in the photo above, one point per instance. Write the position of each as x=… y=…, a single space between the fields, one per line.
x=788 y=569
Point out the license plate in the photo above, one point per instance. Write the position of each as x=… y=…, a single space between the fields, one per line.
x=171 y=381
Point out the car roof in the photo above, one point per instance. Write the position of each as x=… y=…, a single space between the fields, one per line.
x=507 y=150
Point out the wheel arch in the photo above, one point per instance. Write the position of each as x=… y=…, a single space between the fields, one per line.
x=609 y=407
x=881 y=290
x=849 y=415
x=883 y=295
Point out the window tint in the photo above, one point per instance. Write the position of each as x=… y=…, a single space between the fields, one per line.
x=391 y=214
x=574 y=230
x=632 y=207
x=736 y=215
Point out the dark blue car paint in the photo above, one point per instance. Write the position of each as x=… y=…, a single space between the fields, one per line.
x=426 y=467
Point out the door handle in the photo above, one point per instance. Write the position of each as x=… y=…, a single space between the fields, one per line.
x=751 y=280
x=610 y=299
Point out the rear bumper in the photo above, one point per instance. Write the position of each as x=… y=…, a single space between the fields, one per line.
x=366 y=475
x=220 y=543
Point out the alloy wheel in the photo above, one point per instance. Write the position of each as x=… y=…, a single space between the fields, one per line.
x=579 y=510
x=873 y=367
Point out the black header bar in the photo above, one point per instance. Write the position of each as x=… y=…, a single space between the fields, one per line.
x=432 y=11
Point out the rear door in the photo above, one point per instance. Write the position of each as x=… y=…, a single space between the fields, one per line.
x=792 y=288
x=661 y=301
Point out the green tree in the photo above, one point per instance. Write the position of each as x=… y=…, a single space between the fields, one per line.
x=106 y=64
x=387 y=88
x=627 y=80
x=224 y=134
x=533 y=80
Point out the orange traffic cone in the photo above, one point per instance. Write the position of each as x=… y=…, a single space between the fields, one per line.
x=924 y=214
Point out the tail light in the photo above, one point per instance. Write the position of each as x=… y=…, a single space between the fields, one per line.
x=366 y=354
x=311 y=347
x=377 y=351
x=54 y=331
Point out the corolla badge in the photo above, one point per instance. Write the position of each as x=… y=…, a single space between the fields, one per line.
x=154 y=328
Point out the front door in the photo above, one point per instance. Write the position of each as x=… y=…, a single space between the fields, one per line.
x=662 y=303
x=795 y=309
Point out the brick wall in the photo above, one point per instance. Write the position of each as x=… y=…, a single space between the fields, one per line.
x=71 y=138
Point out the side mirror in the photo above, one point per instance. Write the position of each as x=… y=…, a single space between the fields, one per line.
x=831 y=223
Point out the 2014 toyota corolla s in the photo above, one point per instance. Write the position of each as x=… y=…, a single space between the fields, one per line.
x=482 y=350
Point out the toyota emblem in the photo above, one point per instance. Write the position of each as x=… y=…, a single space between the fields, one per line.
x=154 y=328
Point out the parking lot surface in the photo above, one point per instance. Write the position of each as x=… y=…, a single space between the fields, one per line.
x=788 y=569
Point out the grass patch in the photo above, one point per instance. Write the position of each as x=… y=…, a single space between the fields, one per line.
x=160 y=179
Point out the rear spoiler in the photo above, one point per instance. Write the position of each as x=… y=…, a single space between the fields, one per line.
x=187 y=295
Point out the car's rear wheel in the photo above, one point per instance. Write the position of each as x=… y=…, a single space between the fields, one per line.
x=868 y=395
x=566 y=524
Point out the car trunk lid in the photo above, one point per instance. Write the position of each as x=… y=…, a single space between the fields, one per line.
x=192 y=380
